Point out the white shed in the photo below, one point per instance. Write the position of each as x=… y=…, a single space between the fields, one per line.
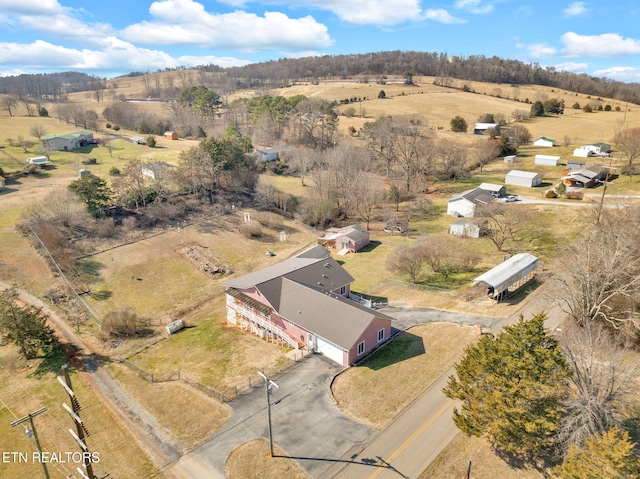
x=546 y=142
x=523 y=178
x=547 y=160
x=464 y=228
x=510 y=159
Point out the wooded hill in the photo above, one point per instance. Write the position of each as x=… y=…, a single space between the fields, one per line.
x=363 y=67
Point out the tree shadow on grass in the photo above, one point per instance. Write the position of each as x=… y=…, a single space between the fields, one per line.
x=101 y=295
x=90 y=268
x=541 y=462
x=404 y=346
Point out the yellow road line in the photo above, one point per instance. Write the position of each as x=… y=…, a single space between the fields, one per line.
x=413 y=436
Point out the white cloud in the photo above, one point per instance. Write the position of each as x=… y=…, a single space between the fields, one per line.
x=572 y=67
x=116 y=55
x=625 y=74
x=224 y=62
x=474 y=6
x=68 y=28
x=185 y=22
x=605 y=45
x=541 y=50
x=23 y=7
x=441 y=16
x=575 y=9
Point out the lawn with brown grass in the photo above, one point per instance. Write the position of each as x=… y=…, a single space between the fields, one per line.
x=453 y=462
x=252 y=460
x=414 y=359
x=26 y=388
x=190 y=415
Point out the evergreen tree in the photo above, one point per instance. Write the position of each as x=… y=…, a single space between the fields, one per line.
x=94 y=191
x=537 y=109
x=510 y=386
x=459 y=124
x=608 y=456
x=25 y=327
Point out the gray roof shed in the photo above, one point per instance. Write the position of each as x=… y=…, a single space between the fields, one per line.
x=509 y=272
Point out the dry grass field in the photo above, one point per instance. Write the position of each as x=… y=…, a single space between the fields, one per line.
x=154 y=277
x=252 y=460
x=415 y=359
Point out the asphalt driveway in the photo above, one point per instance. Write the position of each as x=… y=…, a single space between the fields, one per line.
x=306 y=423
x=404 y=318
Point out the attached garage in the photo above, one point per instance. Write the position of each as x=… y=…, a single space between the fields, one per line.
x=330 y=350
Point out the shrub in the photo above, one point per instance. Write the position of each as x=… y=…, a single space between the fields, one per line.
x=551 y=194
x=43 y=111
x=252 y=230
x=574 y=195
x=561 y=188
x=114 y=171
x=587 y=108
x=116 y=128
x=108 y=125
x=151 y=141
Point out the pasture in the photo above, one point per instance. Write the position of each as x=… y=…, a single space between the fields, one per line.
x=153 y=276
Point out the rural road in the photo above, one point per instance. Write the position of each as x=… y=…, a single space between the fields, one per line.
x=415 y=438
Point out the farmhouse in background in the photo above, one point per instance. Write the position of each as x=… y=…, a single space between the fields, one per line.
x=544 y=141
x=546 y=160
x=465 y=203
x=348 y=239
x=68 y=142
x=483 y=128
x=270 y=154
x=585 y=177
x=596 y=149
x=529 y=179
x=304 y=302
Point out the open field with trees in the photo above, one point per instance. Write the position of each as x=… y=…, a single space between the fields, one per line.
x=144 y=252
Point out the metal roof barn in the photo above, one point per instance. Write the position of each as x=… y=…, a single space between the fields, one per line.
x=515 y=271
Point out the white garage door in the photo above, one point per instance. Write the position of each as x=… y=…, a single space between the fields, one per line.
x=330 y=350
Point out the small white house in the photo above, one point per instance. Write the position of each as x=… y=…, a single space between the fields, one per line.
x=510 y=159
x=529 y=179
x=546 y=142
x=37 y=160
x=465 y=204
x=464 y=228
x=547 y=160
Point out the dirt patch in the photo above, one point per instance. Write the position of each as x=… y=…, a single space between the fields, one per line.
x=204 y=260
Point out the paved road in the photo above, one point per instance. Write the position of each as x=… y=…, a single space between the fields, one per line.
x=415 y=438
x=306 y=424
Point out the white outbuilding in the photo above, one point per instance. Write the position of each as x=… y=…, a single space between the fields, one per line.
x=547 y=160
x=465 y=204
x=544 y=141
x=529 y=179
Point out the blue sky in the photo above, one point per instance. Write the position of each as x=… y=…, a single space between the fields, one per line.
x=109 y=38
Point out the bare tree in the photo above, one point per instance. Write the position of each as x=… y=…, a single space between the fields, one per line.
x=505 y=224
x=603 y=282
x=38 y=131
x=301 y=160
x=484 y=151
x=8 y=103
x=604 y=383
x=407 y=259
x=367 y=195
x=379 y=136
x=447 y=254
x=521 y=135
x=627 y=141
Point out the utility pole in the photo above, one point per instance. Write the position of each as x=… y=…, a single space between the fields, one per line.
x=29 y=417
x=268 y=383
x=74 y=411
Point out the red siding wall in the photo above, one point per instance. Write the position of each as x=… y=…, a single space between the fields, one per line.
x=370 y=337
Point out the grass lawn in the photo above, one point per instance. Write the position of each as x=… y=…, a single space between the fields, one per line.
x=370 y=392
x=24 y=391
x=453 y=462
x=192 y=416
x=252 y=460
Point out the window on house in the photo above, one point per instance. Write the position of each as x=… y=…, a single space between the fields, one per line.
x=380 y=335
x=360 y=348
x=343 y=290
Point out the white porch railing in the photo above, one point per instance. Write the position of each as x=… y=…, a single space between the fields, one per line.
x=263 y=323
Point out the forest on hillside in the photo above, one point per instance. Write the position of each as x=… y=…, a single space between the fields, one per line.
x=365 y=67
